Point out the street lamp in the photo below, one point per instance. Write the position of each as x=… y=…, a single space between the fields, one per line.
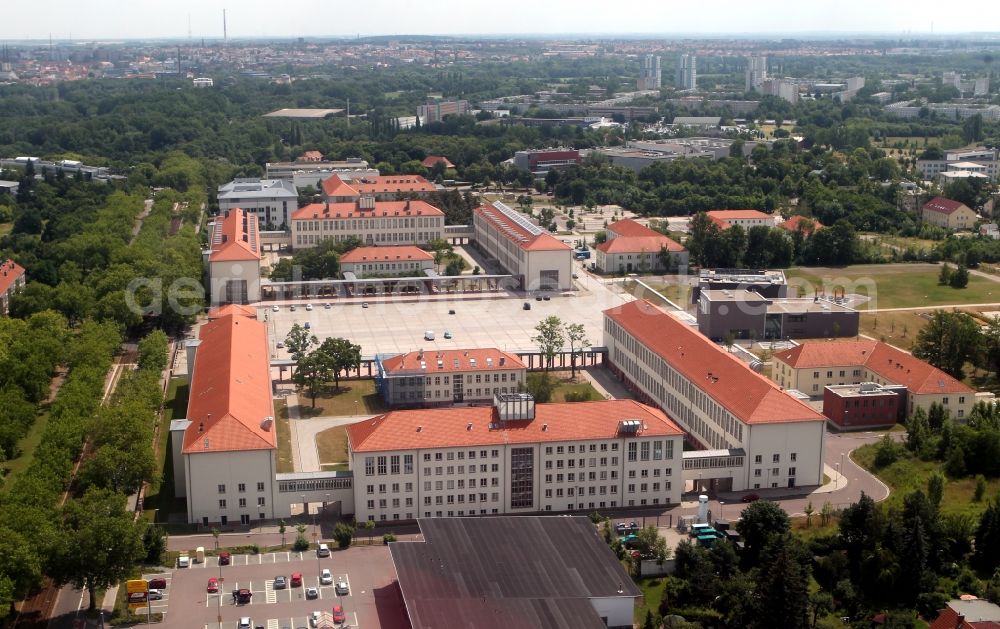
x=837 y=481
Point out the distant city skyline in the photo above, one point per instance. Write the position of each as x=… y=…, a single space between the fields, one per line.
x=249 y=19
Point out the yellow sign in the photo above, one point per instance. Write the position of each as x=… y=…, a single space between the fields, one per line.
x=136 y=585
x=138 y=593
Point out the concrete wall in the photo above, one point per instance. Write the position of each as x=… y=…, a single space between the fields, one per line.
x=221 y=273
x=804 y=440
x=618 y=610
x=205 y=471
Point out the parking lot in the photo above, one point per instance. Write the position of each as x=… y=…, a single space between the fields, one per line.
x=395 y=325
x=371 y=600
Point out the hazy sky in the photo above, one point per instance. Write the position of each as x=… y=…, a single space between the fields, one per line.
x=118 y=19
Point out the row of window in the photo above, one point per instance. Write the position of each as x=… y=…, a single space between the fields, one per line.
x=242 y=502
x=416 y=381
x=385 y=266
x=355 y=224
x=407 y=237
x=775 y=471
x=438 y=393
x=240 y=487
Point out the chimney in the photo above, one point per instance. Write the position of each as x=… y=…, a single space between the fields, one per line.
x=468 y=426
x=419 y=428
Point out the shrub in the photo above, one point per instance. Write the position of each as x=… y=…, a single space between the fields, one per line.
x=344 y=534
x=301 y=543
x=388 y=537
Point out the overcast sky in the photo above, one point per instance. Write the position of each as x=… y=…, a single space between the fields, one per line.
x=135 y=19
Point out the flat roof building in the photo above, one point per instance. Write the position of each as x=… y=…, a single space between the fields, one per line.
x=537 y=259
x=864 y=405
x=767 y=283
x=308 y=173
x=532 y=572
x=772 y=439
x=745 y=314
x=541 y=161
x=271 y=200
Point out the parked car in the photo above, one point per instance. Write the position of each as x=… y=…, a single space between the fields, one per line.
x=546 y=298
x=213 y=585
x=155 y=595
x=158 y=583
x=243 y=596
x=325 y=577
x=621 y=528
x=275 y=309
x=314 y=619
x=750 y=498
x=280 y=583
x=338 y=615
x=538 y=298
x=527 y=305
x=309 y=307
x=342 y=589
x=307 y=325
x=312 y=593
x=183 y=561
x=280 y=345
x=292 y=307
x=244 y=623
x=327 y=306
x=429 y=335
x=447 y=334
x=323 y=551
x=224 y=558
x=296 y=579
x=364 y=304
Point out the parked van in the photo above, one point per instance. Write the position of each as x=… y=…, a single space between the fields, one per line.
x=183 y=561
x=199 y=555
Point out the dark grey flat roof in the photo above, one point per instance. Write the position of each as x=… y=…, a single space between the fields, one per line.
x=531 y=571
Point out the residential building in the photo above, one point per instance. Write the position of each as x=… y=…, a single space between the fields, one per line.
x=473 y=572
x=756 y=73
x=303 y=174
x=783 y=89
x=982 y=156
x=766 y=283
x=806 y=225
x=968 y=612
x=863 y=406
x=435 y=111
x=687 y=72
x=537 y=259
x=203 y=82
x=745 y=314
x=944 y=110
x=948 y=214
x=514 y=457
x=9 y=187
x=540 y=161
x=11 y=282
x=336 y=189
x=650 y=77
x=447 y=376
x=233 y=258
x=744 y=218
x=386 y=261
x=271 y=200
x=694 y=103
x=225 y=449
x=431 y=161
x=812 y=366
x=634 y=247
x=375 y=223
x=757 y=435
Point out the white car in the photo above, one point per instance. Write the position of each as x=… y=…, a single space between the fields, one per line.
x=155 y=595
x=314 y=619
x=341 y=588
x=275 y=309
x=245 y=623
x=325 y=577
x=183 y=561
x=323 y=550
x=309 y=307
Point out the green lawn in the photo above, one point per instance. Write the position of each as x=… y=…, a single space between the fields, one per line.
x=160 y=501
x=893 y=285
x=910 y=473
x=5 y=228
x=559 y=393
x=355 y=397
x=652 y=593
x=26 y=446
x=284 y=434
x=332 y=446
x=896 y=328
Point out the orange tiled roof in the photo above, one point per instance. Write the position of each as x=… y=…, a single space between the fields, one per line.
x=794 y=224
x=386 y=254
x=722 y=218
x=890 y=363
x=639 y=244
x=334 y=186
x=350 y=209
x=749 y=396
x=449 y=427
x=629 y=227
x=451 y=360
x=231 y=389
x=431 y=160
x=942 y=205
x=519 y=235
x=235 y=238
x=10 y=271
x=232 y=309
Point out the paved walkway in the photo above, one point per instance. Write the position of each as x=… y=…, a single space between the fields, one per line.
x=605 y=383
x=303 y=431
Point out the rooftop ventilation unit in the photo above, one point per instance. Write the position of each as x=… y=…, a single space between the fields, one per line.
x=629 y=426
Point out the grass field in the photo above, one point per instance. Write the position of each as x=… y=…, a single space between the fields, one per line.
x=26 y=446
x=910 y=473
x=160 y=497
x=559 y=394
x=284 y=434
x=893 y=285
x=332 y=446
x=652 y=593
x=5 y=228
x=355 y=397
x=896 y=328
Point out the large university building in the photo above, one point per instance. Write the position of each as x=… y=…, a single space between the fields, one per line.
x=447 y=376
x=514 y=457
x=233 y=258
x=754 y=434
x=374 y=223
x=271 y=200
x=537 y=259
x=339 y=189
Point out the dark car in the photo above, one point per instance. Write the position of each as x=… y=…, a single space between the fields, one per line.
x=280 y=583
x=527 y=305
x=243 y=596
x=157 y=583
x=750 y=498
x=224 y=558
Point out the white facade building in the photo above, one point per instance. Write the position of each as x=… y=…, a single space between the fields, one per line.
x=687 y=72
x=271 y=200
x=375 y=223
x=536 y=259
x=233 y=259
x=757 y=436
x=756 y=73
x=449 y=376
x=514 y=457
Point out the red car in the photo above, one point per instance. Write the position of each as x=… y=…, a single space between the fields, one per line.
x=750 y=498
x=213 y=585
x=338 y=615
x=296 y=579
x=224 y=558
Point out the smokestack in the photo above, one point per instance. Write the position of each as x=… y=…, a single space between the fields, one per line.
x=225 y=32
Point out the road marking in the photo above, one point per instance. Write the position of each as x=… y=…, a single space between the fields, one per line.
x=348 y=579
x=272 y=623
x=269 y=593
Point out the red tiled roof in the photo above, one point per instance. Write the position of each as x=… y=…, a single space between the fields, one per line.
x=312 y=156
x=386 y=254
x=231 y=389
x=431 y=160
x=10 y=271
x=451 y=360
x=949 y=619
x=232 y=309
x=892 y=364
x=234 y=237
x=629 y=227
x=942 y=205
x=639 y=244
x=350 y=209
x=449 y=427
x=334 y=186
x=749 y=396
x=722 y=217
x=519 y=235
x=795 y=223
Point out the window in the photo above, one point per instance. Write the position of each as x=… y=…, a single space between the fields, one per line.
x=791 y=471
x=369 y=466
x=407 y=463
x=222 y=489
x=260 y=501
x=793 y=456
x=243 y=503
x=222 y=504
x=657 y=450
x=775 y=458
x=260 y=486
x=756 y=473
x=427 y=456
x=242 y=487
x=757 y=459
x=633 y=448
x=775 y=471
x=394 y=464
x=644 y=451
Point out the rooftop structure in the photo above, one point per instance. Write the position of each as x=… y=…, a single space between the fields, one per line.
x=864 y=405
x=309 y=173
x=474 y=573
x=767 y=283
x=431 y=161
x=541 y=161
x=968 y=613
x=745 y=314
x=234 y=238
x=233 y=258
